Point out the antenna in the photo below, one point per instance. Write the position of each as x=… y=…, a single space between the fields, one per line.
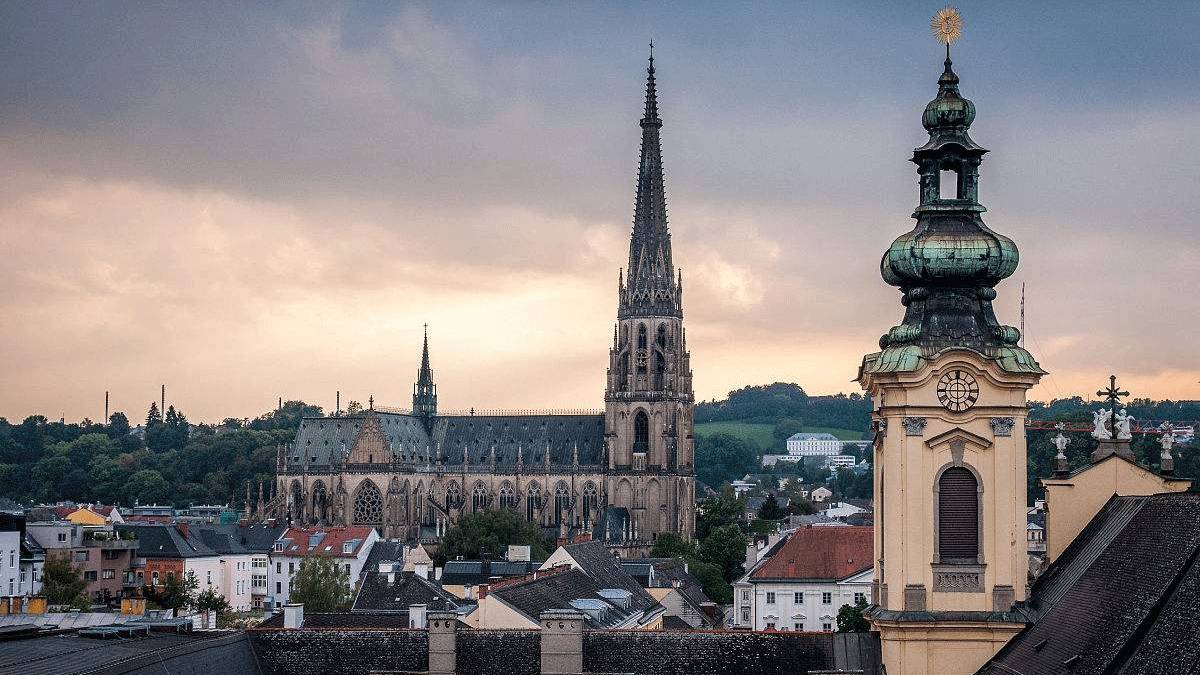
x=106 y=406
x=162 y=406
x=1022 y=314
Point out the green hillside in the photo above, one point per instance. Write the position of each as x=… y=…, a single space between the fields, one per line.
x=762 y=434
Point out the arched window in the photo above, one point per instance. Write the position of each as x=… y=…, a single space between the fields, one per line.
x=479 y=498
x=958 y=516
x=641 y=432
x=562 y=503
x=368 y=505
x=533 y=502
x=453 y=496
x=508 y=498
x=641 y=336
x=661 y=338
x=642 y=354
x=660 y=370
x=589 y=501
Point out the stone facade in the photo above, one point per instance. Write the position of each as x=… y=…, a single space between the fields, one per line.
x=626 y=473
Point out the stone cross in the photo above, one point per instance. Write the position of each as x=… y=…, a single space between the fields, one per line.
x=1113 y=395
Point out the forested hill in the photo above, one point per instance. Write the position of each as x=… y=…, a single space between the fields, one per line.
x=771 y=403
x=167 y=461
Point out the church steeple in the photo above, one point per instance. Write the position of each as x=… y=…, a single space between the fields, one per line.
x=650 y=289
x=949 y=264
x=425 y=391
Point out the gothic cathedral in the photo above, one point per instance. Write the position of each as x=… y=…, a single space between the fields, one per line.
x=623 y=476
x=949 y=388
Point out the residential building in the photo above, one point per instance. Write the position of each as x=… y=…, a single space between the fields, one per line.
x=212 y=557
x=835 y=462
x=845 y=509
x=259 y=540
x=461 y=577
x=387 y=589
x=803 y=582
x=11 y=538
x=102 y=554
x=820 y=495
x=667 y=580
x=349 y=546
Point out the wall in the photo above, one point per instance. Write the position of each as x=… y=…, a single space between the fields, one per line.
x=782 y=612
x=680 y=653
x=10 y=564
x=333 y=652
x=1072 y=502
x=512 y=652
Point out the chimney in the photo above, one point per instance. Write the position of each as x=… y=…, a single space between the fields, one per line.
x=422 y=570
x=183 y=529
x=710 y=610
x=481 y=591
x=293 y=615
x=389 y=569
x=416 y=616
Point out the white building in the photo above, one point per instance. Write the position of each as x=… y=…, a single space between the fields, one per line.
x=801 y=584
x=835 y=462
x=839 y=510
x=350 y=546
x=820 y=495
x=10 y=563
x=817 y=445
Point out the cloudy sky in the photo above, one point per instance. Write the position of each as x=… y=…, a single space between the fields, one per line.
x=248 y=201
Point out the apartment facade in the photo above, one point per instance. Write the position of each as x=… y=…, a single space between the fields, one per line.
x=350 y=546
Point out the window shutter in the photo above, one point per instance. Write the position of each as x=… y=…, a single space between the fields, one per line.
x=958 y=515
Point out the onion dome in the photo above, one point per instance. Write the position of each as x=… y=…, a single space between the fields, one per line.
x=948 y=265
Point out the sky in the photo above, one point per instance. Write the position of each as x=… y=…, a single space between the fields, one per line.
x=248 y=201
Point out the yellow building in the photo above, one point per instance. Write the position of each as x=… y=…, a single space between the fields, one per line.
x=949 y=388
x=1073 y=499
x=86 y=516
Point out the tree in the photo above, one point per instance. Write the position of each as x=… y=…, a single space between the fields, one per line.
x=850 y=618
x=321 y=584
x=771 y=510
x=118 y=425
x=709 y=575
x=491 y=533
x=211 y=600
x=178 y=593
x=62 y=583
x=146 y=487
x=786 y=428
x=721 y=458
x=670 y=545
x=354 y=408
x=725 y=547
x=716 y=512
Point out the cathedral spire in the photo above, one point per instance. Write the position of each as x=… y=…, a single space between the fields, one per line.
x=651 y=282
x=425 y=391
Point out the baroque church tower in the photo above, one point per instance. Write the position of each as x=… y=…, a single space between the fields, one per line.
x=949 y=389
x=648 y=399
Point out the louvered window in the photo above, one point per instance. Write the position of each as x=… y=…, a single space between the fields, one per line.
x=958 y=516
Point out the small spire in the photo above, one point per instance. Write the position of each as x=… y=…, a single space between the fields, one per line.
x=371 y=402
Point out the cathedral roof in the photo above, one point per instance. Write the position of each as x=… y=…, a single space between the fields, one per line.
x=322 y=440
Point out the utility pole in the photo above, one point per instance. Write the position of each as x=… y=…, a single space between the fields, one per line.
x=338 y=407
x=106 y=406
x=162 y=405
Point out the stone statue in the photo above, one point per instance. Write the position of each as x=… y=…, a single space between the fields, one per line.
x=1100 y=422
x=1123 y=425
x=1061 y=442
x=1167 y=439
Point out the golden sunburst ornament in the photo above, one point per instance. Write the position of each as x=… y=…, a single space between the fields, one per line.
x=946 y=25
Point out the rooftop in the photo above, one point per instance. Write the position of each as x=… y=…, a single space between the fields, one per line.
x=824 y=553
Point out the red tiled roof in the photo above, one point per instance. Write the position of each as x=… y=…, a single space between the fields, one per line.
x=159 y=520
x=821 y=553
x=330 y=544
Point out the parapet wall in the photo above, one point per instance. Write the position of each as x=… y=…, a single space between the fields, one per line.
x=724 y=652
x=338 y=651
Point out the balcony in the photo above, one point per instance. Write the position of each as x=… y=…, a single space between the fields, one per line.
x=109 y=540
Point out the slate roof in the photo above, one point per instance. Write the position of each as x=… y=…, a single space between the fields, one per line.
x=377 y=595
x=342 y=620
x=1121 y=598
x=166 y=541
x=475 y=572
x=192 y=654
x=254 y=537
x=220 y=541
x=556 y=591
x=385 y=550
x=606 y=569
x=323 y=437
x=302 y=542
x=827 y=553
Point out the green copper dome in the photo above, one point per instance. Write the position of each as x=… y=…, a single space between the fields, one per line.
x=948 y=265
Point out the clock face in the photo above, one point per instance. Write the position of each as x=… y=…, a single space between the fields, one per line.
x=958 y=390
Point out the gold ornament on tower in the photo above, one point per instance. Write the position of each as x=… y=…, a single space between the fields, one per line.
x=947 y=25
